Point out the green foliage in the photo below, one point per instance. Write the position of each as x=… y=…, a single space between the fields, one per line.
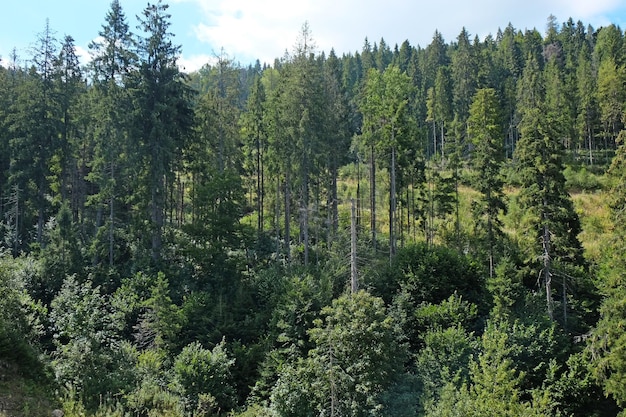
x=356 y=357
x=506 y=289
x=203 y=379
x=150 y=395
x=494 y=386
x=428 y=273
x=444 y=359
x=61 y=256
x=485 y=131
x=86 y=338
x=21 y=319
x=161 y=320
x=162 y=213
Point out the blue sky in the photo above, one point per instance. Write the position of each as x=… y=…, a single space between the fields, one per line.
x=265 y=29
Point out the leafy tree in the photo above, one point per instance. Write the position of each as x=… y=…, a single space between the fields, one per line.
x=202 y=377
x=151 y=395
x=355 y=359
x=494 y=384
x=429 y=286
x=443 y=359
x=21 y=319
x=90 y=358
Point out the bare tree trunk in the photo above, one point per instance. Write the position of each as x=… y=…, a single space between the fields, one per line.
x=547 y=273
x=287 y=216
x=277 y=217
x=392 y=204
x=354 y=284
x=373 y=195
x=111 y=215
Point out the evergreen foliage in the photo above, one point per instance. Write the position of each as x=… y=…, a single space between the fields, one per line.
x=178 y=244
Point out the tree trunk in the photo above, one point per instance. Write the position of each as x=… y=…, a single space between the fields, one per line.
x=547 y=273
x=258 y=188
x=353 y=266
x=111 y=214
x=287 y=237
x=392 y=204
x=373 y=195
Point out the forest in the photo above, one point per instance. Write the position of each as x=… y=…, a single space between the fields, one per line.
x=397 y=231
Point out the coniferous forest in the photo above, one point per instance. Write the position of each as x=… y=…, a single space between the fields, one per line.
x=398 y=231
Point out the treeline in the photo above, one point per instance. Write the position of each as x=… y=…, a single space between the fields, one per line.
x=185 y=237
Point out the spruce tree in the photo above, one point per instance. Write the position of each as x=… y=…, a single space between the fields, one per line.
x=609 y=340
x=484 y=128
x=163 y=119
x=111 y=66
x=551 y=224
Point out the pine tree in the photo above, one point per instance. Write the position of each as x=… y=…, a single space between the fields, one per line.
x=609 y=340
x=587 y=105
x=70 y=87
x=110 y=68
x=384 y=106
x=255 y=134
x=552 y=225
x=163 y=120
x=301 y=106
x=485 y=132
x=336 y=137
x=34 y=132
x=464 y=71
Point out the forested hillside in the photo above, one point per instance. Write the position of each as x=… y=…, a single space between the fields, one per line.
x=398 y=231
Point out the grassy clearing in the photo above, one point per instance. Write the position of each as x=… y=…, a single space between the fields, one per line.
x=593 y=210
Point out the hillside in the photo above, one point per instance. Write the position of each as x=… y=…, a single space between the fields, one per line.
x=183 y=244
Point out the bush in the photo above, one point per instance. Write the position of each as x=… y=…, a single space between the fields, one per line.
x=581 y=179
x=202 y=378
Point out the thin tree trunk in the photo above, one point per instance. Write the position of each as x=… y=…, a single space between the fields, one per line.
x=258 y=188
x=287 y=216
x=490 y=236
x=392 y=205
x=547 y=273
x=277 y=217
x=111 y=214
x=353 y=266
x=358 y=192
x=443 y=156
x=373 y=195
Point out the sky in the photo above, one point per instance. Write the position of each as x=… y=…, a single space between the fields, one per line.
x=246 y=30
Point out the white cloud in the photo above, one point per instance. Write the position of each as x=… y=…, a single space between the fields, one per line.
x=249 y=29
x=82 y=54
x=194 y=63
